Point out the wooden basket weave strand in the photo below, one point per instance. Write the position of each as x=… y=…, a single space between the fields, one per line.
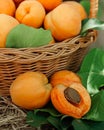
x=47 y=59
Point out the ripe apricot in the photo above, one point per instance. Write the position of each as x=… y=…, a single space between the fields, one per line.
x=74 y=100
x=7 y=7
x=50 y=4
x=64 y=77
x=78 y=7
x=7 y=22
x=63 y=21
x=31 y=13
x=30 y=90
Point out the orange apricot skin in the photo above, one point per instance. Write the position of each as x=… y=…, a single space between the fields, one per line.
x=30 y=90
x=7 y=23
x=63 y=106
x=31 y=13
x=77 y=7
x=7 y=7
x=50 y=4
x=63 y=21
x=64 y=77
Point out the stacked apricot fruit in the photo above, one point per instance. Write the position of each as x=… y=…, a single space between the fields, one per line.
x=62 y=18
x=32 y=90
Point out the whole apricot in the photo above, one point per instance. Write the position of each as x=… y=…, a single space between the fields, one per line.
x=63 y=21
x=31 y=13
x=7 y=7
x=74 y=100
x=30 y=90
x=7 y=22
x=64 y=77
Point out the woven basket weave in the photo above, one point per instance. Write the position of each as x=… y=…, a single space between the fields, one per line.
x=47 y=59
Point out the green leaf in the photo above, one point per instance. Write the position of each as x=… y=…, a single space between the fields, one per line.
x=92 y=70
x=92 y=23
x=36 y=120
x=49 y=109
x=65 y=122
x=87 y=125
x=86 y=5
x=23 y=36
x=61 y=123
x=55 y=121
x=92 y=76
x=96 y=112
x=45 y=115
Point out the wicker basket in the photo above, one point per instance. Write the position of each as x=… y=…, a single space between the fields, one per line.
x=48 y=59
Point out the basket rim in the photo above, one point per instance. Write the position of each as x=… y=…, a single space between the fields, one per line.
x=47 y=52
x=73 y=40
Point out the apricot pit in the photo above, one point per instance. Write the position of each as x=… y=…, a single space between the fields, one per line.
x=72 y=95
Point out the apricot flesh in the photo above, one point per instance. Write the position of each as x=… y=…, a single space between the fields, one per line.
x=65 y=107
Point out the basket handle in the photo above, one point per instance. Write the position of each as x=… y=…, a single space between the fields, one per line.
x=93 y=8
